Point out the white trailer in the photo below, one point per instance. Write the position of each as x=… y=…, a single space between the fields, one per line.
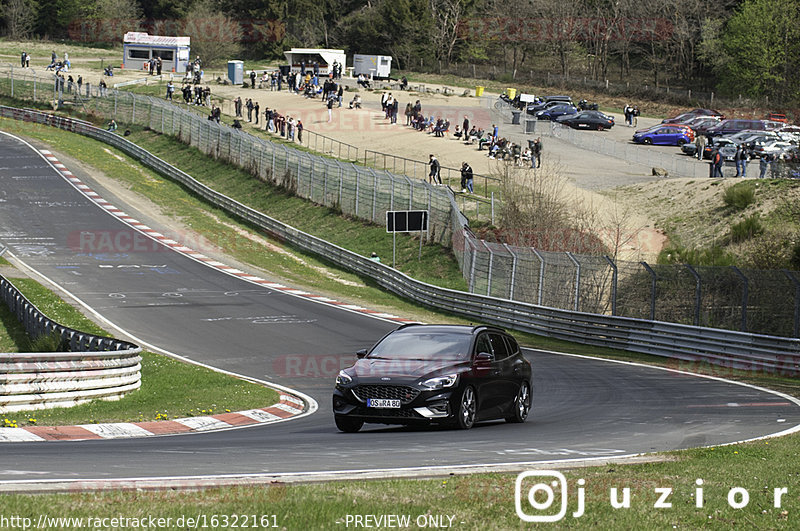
x=308 y=57
x=376 y=66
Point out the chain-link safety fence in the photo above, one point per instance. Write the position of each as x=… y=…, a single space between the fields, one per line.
x=756 y=301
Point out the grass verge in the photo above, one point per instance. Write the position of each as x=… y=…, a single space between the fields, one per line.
x=485 y=501
x=170 y=388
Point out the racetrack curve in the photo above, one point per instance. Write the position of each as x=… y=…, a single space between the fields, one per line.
x=583 y=408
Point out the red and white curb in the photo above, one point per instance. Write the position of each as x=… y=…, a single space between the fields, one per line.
x=172 y=244
x=289 y=406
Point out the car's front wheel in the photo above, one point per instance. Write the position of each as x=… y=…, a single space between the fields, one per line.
x=467 y=409
x=681 y=142
x=347 y=424
x=647 y=141
x=522 y=404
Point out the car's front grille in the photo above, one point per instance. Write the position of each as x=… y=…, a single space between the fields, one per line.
x=387 y=413
x=403 y=393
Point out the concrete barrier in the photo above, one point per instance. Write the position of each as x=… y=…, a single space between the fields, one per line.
x=94 y=367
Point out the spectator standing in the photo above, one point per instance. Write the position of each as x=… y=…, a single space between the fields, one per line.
x=465 y=124
x=536 y=153
x=466 y=177
x=435 y=173
x=300 y=131
x=159 y=65
x=171 y=90
x=252 y=79
x=409 y=112
x=249 y=106
x=716 y=164
x=340 y=94
x=256 y=111
x=763 y=164
x=103 y=88
x=22 y=59
x=27 y=60
x=740 y=159
x=700 y=146
x=330 y=110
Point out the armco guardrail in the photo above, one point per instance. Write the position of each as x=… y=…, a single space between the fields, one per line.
x=94 y=368
x=692 y=344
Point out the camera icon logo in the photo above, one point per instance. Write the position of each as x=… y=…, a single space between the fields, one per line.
x=540 y=496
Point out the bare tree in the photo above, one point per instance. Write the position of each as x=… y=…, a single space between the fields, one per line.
x=447 y=17
x=20 y=17
x=214 y=36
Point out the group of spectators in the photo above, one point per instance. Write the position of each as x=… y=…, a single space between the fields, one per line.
x=192 y=94
x=55 y=64
x=274 y=122
x=25 y=60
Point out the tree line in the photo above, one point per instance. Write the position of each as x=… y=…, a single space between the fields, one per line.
x=749 y=47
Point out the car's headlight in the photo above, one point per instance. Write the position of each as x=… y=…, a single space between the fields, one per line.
x=343 y=378
x=441 y=382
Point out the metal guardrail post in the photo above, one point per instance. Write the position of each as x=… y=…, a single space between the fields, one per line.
x=697 y=294
x=613 y=285
x=513 y=271
x=745 y=291
x=652 y=290
x=489 y=274
x=793 y=280
x=541 y=276
x=577 y=279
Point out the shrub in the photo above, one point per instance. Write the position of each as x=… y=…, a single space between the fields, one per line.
x=746 y=229
x=739 y=196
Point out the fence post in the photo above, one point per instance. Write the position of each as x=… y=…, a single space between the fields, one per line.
x=744 y=296
x=793 y=279
x=697 y=294
x=513 y=271
x=613 y=284
x=577 y=279
x=652 y=290
x=541 y=276
x=489 y=273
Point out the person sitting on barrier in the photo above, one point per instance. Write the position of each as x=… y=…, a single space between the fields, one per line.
x=112 y=126
x=457 y=133
x=487 y=140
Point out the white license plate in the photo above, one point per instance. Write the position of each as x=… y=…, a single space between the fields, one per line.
x=383 y=403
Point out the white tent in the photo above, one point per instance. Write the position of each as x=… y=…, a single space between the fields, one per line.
x=322 y=56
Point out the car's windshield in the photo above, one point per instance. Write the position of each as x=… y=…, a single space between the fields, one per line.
x=423 y=345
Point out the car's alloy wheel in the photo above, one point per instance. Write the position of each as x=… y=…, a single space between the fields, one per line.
x=600 y=128
x=347 y=424
x=522 y=404
x=681 y=142
x=467 y=409
x=647 y=141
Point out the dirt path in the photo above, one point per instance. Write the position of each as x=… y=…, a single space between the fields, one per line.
x=592 y=177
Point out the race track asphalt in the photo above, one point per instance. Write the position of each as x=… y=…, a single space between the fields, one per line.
x=583 y=408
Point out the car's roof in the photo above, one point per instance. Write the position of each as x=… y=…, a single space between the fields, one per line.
x=449 y=328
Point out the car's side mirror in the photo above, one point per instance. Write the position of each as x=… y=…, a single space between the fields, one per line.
x=361 y=353
x=483 y=359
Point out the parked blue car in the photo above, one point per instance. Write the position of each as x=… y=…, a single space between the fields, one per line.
x=665 y=135
x=557 y=110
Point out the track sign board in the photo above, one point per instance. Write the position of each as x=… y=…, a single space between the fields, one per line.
x=406 y=220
